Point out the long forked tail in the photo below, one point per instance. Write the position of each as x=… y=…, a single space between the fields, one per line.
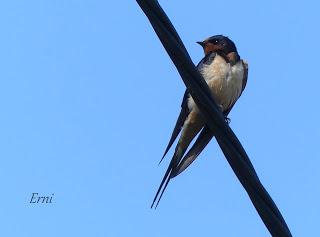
x=191 y=128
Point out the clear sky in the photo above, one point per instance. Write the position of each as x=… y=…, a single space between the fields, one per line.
x=89 y=97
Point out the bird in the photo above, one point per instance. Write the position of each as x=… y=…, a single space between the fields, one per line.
x=226 y=75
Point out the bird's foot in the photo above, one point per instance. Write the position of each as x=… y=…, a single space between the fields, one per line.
x=228 y=120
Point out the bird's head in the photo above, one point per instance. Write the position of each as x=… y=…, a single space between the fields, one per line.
x=218 y=44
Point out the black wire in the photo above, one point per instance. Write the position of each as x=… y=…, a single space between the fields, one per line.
x=227 y=140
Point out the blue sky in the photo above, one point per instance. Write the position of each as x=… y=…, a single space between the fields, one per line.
x=88 y=99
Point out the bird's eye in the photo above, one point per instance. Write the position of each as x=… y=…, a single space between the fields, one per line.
x=215 y=41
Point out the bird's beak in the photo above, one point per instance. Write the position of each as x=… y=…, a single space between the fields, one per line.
x=201 y=43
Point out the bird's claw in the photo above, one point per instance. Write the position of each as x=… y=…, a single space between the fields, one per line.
x=228 y=120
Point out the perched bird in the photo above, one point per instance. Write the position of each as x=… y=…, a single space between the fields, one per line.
x=226 y=75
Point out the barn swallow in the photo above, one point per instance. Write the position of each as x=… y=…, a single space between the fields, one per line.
x=226 y=75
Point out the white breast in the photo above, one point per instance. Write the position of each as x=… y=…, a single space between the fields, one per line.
x=224 y=81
